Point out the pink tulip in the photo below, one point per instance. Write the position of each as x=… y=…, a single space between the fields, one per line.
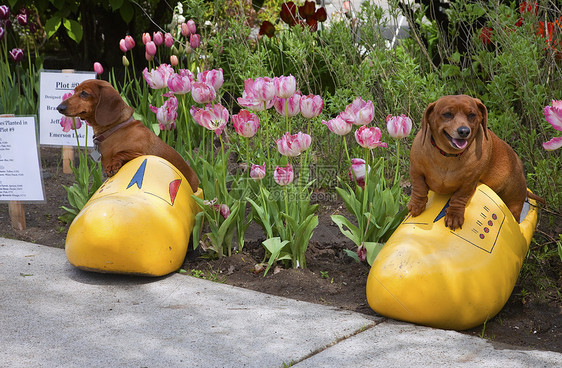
x=146 y=38
x=148 y=57
x=213 y=118
x=194 y=41
x=359 y=112
x=292 y=104
x=293 y=145
x=22 y=19
x=264 y=89
x=249 y=99
x=166 y=114
x=178 y=84
x=398 y=126
x=4 y=12
x=245 y=123
x=283 y=175
x=213 y=78
x=369 y=137
x=357 y=171
x=185 y=30
x=174 y=60
x=151 y=48
x=123 y=45
x=168 y=40
x=553 y=115
x=129 y=42
x=202 y=92
x=191 y=26
x=257 y=172
x=158 y=78
x=338 y=125
x=311 y=106
x=98 y=68
x=157 y=38
x=285 y=87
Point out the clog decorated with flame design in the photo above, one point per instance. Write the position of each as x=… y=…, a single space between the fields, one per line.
x=430 y=275
x=138 y=222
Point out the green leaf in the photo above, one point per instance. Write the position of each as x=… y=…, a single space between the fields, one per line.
x=52 y=25
x=74 y=29
x=274 y=246
x=352 y=254
x=127 y=12
x=353 y=233
x=115 y=4
x=373 y=250
x=196 y=235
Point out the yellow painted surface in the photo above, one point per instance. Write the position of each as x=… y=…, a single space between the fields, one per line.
x=430 y=275
x=138 y=222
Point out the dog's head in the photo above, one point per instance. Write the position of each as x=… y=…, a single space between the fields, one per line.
x=454 y=122
x=97 y=102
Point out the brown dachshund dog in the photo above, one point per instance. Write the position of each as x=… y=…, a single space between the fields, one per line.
x=118 y=136
x=454 y=150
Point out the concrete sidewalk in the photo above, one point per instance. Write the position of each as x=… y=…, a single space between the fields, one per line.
x=53 y=315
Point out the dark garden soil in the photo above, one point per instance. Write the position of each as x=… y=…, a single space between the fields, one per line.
x=532 y=317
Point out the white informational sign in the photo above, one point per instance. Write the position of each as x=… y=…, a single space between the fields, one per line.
x=20 y=171
x=53 y=87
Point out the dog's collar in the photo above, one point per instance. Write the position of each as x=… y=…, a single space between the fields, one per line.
x=103 y=136
x=443 y=152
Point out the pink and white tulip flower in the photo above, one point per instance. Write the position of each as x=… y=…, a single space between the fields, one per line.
x=292 y=103
x=179 y=84
x=213 y=78
x=283 y=175
x=202 y=92
x=167 y=113
x=293 y=145
x=158 y=38
x=285 y=87
x=338 y=126
x=245 y=123
x=168 y=40
x=184 y=30
x=249 y=99
x=369 y=137
x=359 y=112
x=553 y=115
x=264 y=89
x=158 y=78
x=257 y=172
x=398 y=126
x=191 y=26
x=123 y=45
x=213 y=118
x=224 y=210
x=311 y=106
x=357 y=171
x=194 y=41
x=98 y=68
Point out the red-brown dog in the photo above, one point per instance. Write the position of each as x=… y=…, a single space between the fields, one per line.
x=118 y=136
x=454 y=150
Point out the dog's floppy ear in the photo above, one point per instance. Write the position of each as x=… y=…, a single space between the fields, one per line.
x=484 y=112
x=111 y=108
x=425 y=121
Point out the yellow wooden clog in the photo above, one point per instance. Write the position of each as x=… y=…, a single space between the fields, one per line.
x=430 y=275
x=138 y=222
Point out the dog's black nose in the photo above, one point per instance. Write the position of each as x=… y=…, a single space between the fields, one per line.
x=61 y=108
x=463 y=131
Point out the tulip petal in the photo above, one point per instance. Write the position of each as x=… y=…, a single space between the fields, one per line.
x=553 y=144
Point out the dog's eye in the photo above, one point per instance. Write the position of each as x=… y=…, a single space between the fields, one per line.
x=471 y=115
x=448 y=115
x=84 y=94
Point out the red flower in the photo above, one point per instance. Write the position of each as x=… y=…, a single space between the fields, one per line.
x=519 y=22
x=312 y=24
x=307 y=10
x=486 y=35
x=528 y=7
x=321 y=15
x=288 y=13
x=267 y=28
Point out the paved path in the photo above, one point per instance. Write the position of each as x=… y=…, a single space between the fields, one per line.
x=53 y=315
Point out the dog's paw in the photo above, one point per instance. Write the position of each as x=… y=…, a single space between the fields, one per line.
x=416 y=208
x=454 y=220
x=111 y=170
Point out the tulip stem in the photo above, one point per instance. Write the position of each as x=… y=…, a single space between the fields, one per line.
x=397 y=161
